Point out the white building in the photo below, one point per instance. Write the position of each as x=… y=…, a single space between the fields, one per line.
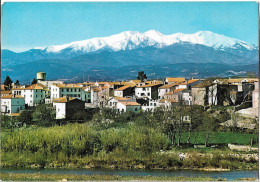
x=165 y=89
x=149 y=91
x=122 y=91
x=151 y=106
x=12 y=104
x=66 y=107
x=33 y=95
x=125 y=106
x=70 y=90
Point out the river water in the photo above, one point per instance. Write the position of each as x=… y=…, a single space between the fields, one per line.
x=229 y=175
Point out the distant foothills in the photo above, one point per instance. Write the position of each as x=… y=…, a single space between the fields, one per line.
x=120 y=56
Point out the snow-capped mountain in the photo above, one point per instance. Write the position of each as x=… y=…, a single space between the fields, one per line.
x=129 y=40
x=122 y=55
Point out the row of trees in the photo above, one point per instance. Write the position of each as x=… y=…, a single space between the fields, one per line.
x=8 y=82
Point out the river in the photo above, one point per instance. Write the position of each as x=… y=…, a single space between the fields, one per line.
x=229 y=175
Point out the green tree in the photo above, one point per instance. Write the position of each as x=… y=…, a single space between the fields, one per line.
x=8 y=82
x=44 y=115
x=17 y=83
x=25 y=117
x=34 y=81
x=141 y=76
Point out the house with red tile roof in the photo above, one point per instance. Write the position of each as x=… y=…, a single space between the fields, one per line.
x=128 y=106
x=12 y=104
x=66 y=107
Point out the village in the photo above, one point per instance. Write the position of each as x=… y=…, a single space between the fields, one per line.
x=135 y=96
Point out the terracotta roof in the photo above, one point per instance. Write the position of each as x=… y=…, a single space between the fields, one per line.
x=169 y=93
x=122 y=88
x=193 y=80
x=167 y=86
x=113 y=83
x=148 y=85
x=12 y=97
x=129 y=103
x=154 y=82
x=179 y=90
x=203 y=84
x=168 y=100
x=6 y=92
x=253 y=79
x=121 y=98
x=63 y=99
x=62 y=85
x=36 y=86
x=96 y=89
x=175 y=79
x=2 y=87
x=14 y=114
x=128 y=84
x=135 y=81
x=183 y=83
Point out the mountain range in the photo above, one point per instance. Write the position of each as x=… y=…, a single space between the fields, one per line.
x=151 y=51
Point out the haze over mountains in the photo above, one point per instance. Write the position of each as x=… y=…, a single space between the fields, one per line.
x=201 y=54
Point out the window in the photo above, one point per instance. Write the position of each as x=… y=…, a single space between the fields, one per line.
x=78 y=95
x=68 y=90
x=71 y=90
x=148 y=94
x=154 y=104
x=31 y=96
x=62 y=89
x=151 y=104
x=75 y=90
x=61 y=95
x=110 y=103
x=123 y=110
x=36 y=95
x=143 y=89
x=17 y=102
x=136 y=109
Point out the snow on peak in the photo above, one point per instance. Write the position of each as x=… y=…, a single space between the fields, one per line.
x=41 y=48
x=132 y=39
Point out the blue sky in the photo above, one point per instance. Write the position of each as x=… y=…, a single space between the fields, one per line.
x=27 y=25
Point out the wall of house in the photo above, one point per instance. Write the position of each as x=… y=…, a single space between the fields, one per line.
x=118 y=93
x=134 y=109
x=6 y=105
x=55 y=92
x=198 y=96
x=144 y=92
x=14 y=105
x=38 y=97
x=86 y=96
x=120 y=107
x=60 y=110
x=212 y=95
x=28 y=96
x=17 y=104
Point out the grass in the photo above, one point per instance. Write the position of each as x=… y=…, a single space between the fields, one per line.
x=220 y=138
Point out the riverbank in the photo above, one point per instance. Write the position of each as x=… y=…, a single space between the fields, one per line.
x=70 y=177
x=123 y=175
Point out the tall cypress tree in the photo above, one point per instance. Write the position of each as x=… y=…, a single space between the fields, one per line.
x=8 y=82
